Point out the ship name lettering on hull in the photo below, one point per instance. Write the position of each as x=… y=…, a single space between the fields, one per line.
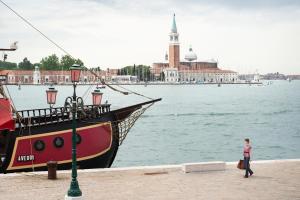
x=25 y=158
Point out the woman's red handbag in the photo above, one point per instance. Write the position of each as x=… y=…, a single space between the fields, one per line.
x=240 y=164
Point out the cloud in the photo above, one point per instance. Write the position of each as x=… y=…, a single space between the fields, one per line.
x=116 y=33
x=270 y=4
x=158 y=5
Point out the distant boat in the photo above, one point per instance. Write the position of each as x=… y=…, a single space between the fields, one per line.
x=101 y=86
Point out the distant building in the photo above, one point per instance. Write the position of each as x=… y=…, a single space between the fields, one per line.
x=124 y=79
x=256 y=78
x=246 y=77
x=293 y=77
x=274 y=76
x=175 y=70
x=38 y=76
x=3 y=79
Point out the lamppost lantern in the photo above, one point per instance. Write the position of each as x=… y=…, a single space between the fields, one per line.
x=97 y=97
x=51 y=96
x=75 y=73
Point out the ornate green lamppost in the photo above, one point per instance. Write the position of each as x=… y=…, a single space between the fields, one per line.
x=74 y=192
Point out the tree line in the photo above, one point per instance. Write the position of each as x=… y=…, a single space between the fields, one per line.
x=51 y=62
x=142 y=72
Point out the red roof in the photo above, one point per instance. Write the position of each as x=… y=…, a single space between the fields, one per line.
x=56 y=72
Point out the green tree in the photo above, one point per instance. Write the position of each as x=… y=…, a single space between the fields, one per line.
x=162 y=76
x=25 y=64
x=79 y=62
x=141 y=71
x=50 y=63
x=67 y=61
x=134 y=70
x=8 y=65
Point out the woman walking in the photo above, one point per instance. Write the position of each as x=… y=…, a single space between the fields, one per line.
x=247 y=152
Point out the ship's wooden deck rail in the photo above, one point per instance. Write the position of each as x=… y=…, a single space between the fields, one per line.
x=35 y=117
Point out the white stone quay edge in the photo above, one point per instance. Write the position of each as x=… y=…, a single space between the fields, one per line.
x=266 y=161
x=203 y=166
x=156 y=168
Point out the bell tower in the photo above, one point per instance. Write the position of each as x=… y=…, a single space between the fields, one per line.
x=174 y=56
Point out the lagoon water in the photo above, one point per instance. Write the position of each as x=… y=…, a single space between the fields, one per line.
x=196 y=123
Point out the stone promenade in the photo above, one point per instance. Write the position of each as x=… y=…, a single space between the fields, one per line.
x=274 y=180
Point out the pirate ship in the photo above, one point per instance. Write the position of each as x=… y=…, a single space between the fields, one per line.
x=37 y=136
x=29 y=139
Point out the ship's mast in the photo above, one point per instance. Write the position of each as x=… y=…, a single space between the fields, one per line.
x=13 y=47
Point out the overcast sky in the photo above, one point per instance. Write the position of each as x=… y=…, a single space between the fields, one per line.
x=244 y=36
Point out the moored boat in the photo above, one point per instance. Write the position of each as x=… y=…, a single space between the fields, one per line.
x=31 y=138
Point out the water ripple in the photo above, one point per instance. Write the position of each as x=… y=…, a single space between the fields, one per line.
x=278 y=112
x=215 y=124
x=196 y=114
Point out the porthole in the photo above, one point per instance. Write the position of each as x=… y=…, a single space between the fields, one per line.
x=78 y=138
x=39 y=145
x=58 y=142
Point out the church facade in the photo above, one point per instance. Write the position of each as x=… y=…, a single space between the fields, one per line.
x=190 y=70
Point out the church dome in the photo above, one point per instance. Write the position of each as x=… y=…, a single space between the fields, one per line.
x=190 y=56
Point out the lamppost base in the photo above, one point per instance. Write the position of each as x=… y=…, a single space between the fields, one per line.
x=73 y=198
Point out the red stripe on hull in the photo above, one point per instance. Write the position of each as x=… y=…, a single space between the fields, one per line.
x=95 y=141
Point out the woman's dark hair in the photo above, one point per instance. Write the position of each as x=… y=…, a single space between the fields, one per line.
x=247 y=140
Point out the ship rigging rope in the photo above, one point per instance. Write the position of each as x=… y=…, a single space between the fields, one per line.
x=124 y=126
x=84 y=96
x=66 y=52
x=30 y=141
x=32 y=26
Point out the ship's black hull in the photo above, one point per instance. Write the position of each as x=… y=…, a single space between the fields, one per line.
x=102 y=161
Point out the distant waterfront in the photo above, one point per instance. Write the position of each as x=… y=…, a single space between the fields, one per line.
x=199 y=123
x=149 y=83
